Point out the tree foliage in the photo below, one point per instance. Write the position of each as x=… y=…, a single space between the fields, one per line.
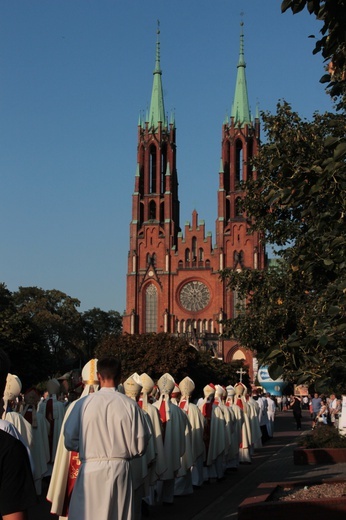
x=56 y=317
x=156 y=354
x=45 y=335
x=332 y=43
x=97 y=324
x=22 y=340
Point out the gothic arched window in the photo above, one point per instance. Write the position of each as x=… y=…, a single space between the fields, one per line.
x=187 y=256
x=194 y=249
x=211 y=326
x=226 y=171
x=141 y=213
x=151 y=308
x=152 y=170
x=239 y=162
x=228 y=210
x=163 y=167
x=249 y=167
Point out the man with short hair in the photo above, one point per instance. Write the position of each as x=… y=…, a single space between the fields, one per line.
x=17 y=489
x=107 y=429
x=316 y=403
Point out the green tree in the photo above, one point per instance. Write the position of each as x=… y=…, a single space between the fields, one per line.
x=156 y=354
x=55 y=316
x=332 y=43
x=96 y=325
x=22 y=341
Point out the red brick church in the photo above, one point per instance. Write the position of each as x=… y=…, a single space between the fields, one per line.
x=173 y=282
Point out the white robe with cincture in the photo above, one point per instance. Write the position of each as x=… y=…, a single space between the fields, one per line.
x=107 y=429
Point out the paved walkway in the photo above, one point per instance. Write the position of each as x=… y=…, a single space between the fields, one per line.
x=220 y=501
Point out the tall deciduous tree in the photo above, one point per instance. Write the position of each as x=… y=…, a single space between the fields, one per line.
x=31 y=361
x=57 y=319
x=96 y=325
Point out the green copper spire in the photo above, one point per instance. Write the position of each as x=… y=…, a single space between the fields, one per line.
x=157 y=108
x=240 y=109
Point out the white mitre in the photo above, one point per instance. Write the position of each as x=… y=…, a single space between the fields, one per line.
x=240 y=389
x=89 y=377
x=166 y=384
x=147 y=383
x=186 y=386
x=132 y=388
x=12 y=390
x=230 y=391
x=220 y=391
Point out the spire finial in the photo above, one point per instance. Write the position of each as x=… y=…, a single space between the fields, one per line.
x=241 y=50
x=157 y=64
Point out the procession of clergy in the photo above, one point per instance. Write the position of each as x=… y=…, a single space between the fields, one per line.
x=190 y=443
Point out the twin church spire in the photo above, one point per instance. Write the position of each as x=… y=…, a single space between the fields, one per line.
x=240 y=108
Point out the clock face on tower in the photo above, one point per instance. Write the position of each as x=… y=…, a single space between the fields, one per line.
x=194 y=296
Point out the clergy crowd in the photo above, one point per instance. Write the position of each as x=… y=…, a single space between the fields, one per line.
x=123 y=447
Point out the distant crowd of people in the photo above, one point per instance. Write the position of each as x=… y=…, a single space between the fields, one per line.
x=323 y=410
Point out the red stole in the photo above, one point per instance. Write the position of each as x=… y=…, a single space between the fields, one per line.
x=182 y=406
x=71 y=480
x=239 y=403
x=163 y=418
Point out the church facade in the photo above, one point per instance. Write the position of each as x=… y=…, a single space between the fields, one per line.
x=173 y=275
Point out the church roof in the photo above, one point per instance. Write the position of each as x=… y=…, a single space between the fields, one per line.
x=241 y=110
x=157 y=107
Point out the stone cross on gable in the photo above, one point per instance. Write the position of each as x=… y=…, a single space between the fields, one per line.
x=241 y=373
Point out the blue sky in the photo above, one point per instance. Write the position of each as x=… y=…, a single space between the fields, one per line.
x=74 y=76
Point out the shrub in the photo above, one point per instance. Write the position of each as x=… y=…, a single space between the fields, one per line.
x=323 y=437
